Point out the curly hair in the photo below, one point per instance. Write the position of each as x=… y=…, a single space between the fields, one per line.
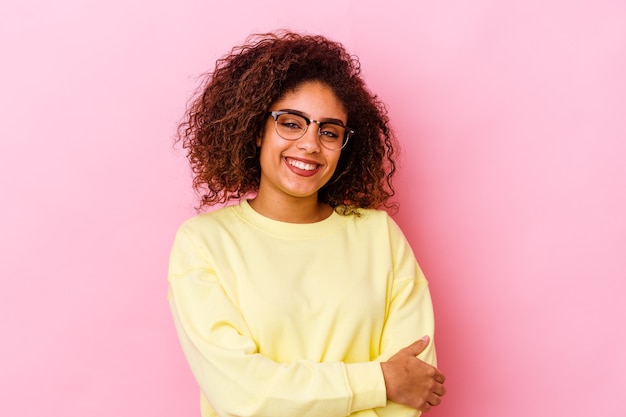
x=230 y=109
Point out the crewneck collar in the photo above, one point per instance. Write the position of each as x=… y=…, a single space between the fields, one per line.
x=331 y=224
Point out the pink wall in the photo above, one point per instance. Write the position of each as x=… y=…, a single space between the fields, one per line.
x=512 y=117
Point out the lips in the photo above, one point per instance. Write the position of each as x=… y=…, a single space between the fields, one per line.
x=303 y=168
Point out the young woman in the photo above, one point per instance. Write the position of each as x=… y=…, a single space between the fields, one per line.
x=302 y=297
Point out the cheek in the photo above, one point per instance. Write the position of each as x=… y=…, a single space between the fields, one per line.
x=333 y=160
x=337 y=170
x=268 y=155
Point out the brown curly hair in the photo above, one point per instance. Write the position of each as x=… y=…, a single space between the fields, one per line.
x=231 y=107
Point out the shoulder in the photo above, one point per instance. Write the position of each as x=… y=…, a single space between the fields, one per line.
x=210 y=222
x=373 y=221
x=371 y=217
x=382 y=220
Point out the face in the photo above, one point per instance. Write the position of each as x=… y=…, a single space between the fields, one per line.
x=299 y=168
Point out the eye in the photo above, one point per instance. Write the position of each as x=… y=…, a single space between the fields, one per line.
x=331 y=132
x=291 y=122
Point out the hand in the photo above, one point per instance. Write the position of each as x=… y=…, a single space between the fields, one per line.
x=413 y=382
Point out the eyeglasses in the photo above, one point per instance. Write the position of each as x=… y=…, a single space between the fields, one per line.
x=292 y=126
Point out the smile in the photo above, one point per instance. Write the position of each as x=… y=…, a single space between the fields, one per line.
x=302 y=165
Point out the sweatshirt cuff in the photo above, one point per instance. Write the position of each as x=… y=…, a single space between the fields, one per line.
x=367 y=385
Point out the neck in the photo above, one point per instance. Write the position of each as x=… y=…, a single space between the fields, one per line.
x=295 y=210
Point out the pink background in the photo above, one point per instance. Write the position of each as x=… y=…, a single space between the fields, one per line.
x=512 y=117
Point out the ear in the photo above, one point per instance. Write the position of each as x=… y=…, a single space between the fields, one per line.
x=259 y=141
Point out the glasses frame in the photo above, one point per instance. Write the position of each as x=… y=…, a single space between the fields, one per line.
x=349 y=131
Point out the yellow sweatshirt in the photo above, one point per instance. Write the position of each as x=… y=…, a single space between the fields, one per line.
x=281 y=319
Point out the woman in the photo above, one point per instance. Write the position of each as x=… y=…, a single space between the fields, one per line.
x=302 y=298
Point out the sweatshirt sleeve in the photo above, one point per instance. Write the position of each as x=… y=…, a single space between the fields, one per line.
x=233 y=376
x=410 y=312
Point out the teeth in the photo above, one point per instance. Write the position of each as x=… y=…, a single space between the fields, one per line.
x=302 y=165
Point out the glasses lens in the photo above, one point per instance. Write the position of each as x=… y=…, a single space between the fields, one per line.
x=332 y=135
x=290 y=126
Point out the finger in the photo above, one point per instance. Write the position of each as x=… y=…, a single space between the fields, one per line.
x=439 y=377
x=418 y=347
x=434 y=399
x=425 y=408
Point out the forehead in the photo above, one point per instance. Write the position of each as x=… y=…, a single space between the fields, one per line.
x=313 y=99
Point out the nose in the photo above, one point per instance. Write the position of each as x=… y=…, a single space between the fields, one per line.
x=310 y=141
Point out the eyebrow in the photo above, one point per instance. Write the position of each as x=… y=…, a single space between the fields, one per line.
x=324 y=120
